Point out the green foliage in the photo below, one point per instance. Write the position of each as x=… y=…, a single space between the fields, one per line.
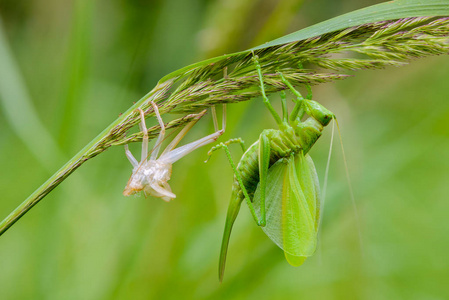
x=88 y=242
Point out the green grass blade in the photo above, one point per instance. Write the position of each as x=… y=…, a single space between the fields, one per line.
x=381 y=12
x=203 y=85
x=115 y=130
x=77 y=70
x=391 y=10
x=20 y=113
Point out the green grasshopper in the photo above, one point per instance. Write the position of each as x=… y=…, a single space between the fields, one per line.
x=277 y=178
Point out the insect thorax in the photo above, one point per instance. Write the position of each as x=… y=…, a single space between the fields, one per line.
x=149 y=173
x=283 y=143
x=301 y=136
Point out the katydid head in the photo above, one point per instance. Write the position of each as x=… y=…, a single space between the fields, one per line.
x=319 y=112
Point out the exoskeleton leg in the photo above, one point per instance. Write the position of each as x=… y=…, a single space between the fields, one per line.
x=171 y=155
x=131 y=157
x=143 y=128
x=144 y=153
x=160 y=138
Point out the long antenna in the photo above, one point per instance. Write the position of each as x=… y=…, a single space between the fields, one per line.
x=323 y=196
x=351 y=192
x=326 y=175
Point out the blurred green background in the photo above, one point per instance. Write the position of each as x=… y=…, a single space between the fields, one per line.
x=68 y=68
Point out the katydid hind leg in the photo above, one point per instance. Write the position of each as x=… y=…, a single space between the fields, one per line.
x=264 y=160
x=233 y=211
x=239 y=179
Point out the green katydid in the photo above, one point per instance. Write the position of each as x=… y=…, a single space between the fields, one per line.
x=278 y=163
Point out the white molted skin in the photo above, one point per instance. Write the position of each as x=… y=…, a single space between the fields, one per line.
x=151 y=175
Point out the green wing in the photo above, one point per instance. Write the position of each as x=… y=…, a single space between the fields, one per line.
x=292 y=207
x=309 y=184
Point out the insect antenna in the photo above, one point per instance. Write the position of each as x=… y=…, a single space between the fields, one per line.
x=323 y=195
x=326 y=176
x=351 y=192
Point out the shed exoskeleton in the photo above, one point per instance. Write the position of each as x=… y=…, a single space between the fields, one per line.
x=152 y=173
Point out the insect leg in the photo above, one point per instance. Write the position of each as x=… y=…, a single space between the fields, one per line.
x=161 y=134
x=239 y=180
x=179 y=137
x=223 y=121
x=143 y=128
x=231 y=216
x=308 y=87
x=284 y=107
x=184 y=131
x=130 y=157
x=264 y=160
x=298 y=109
x=171 y=156
x=266 y=101
x=144 y=153
x=214 y=117
x=227 y=143
x=178 y=153
x=309 y=92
